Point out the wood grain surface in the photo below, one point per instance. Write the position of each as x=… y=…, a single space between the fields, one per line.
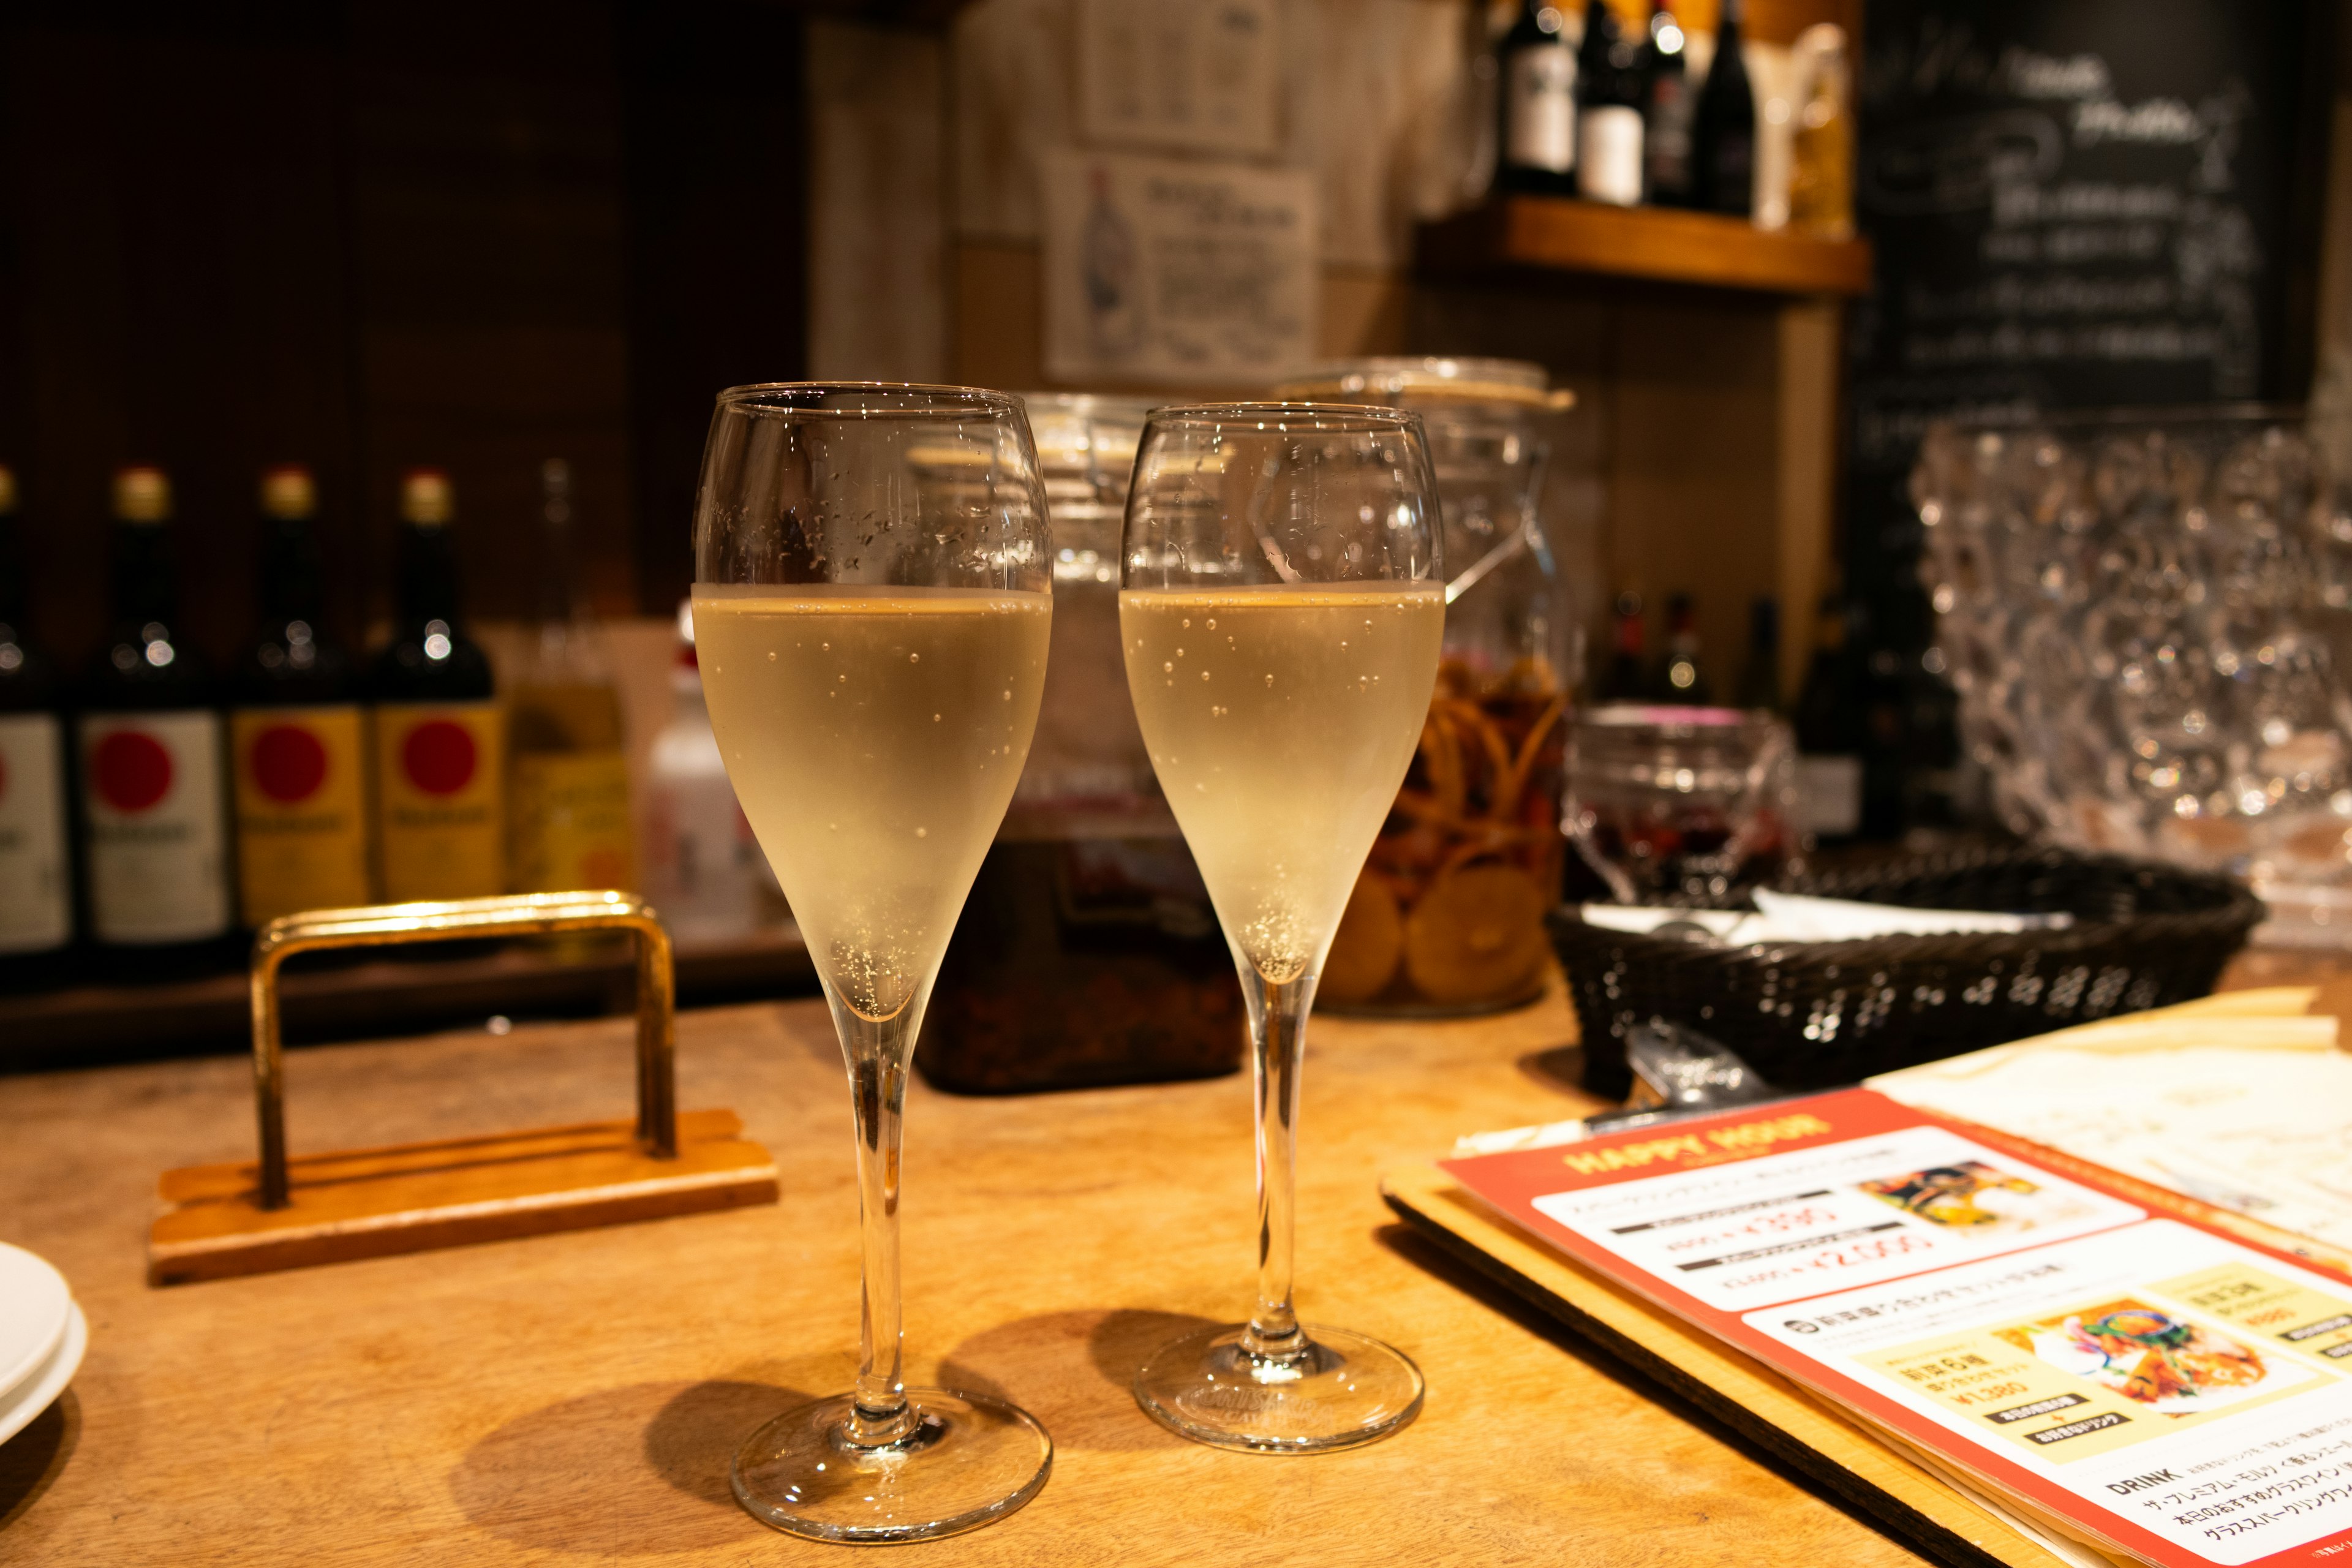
x=574 y=1398
x=450 y=1191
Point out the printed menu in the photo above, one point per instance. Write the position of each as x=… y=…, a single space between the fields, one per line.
x=2137 y=1380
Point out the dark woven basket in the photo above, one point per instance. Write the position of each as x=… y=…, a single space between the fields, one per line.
x=1816 y=1015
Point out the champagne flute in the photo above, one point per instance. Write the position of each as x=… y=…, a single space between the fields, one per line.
x=1280 y=609
x=871 y=603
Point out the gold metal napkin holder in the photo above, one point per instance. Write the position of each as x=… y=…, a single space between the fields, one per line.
x=291 y=1213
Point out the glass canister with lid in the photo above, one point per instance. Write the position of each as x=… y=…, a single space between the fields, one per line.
x=1087 y=952
x=1447 y=916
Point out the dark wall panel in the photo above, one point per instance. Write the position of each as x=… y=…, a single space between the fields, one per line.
x=377 y=235
x=718 y=200
x=179 y=297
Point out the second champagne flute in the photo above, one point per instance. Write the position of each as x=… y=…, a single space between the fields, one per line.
x=1280 y=610
x=871 y=608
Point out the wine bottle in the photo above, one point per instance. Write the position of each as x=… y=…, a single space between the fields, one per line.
x=1821 y=180
x=1666 y=123
x=1628 y=676
x=440 y=735
x=1759 y=678
x=703 y=867
x=1536 y=152
x=1608 y=111
x=153 y=807
x=1829 y=735
x=35 y=887
x=1723 y=128
x=296 y=733
x=1681 y=679
x=570 y=800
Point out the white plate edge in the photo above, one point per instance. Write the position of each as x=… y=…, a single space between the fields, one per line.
x=21 y=1408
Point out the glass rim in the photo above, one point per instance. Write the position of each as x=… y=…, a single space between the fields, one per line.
x=1628 y=716
x=927 y=400
x=1361 y=418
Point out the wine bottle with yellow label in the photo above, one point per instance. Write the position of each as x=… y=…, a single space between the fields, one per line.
x=298 y=748
x=570 y=809
x=439 y=733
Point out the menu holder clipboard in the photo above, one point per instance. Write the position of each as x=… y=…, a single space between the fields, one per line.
x=1901 y=1494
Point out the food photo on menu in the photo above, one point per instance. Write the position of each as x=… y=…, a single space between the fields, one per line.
x=1177 y=782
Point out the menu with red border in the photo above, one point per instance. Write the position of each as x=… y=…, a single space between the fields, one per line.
x=2153 y=1384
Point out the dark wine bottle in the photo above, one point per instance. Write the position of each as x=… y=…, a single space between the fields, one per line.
x=1608 y=111
x=1627 y=679
x=1723 y=128
x=1535 y=152
x=297 y=734
x=1682 y=678
x=1829 y=738
x=1759 y=678
x=36 y=880
x=1666 y=128
x=440 y=738
x=153 y=808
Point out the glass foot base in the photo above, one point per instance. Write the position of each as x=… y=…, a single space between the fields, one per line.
x=1340 y=1390
x=969 y=1461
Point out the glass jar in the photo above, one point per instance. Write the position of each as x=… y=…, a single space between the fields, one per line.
x=1447 y=916
x=1087 y=953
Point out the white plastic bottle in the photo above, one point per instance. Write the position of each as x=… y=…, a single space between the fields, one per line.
x=703 y=867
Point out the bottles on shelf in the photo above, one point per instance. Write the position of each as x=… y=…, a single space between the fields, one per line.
x=1682 y=678
x=1760 y=677
x=1610 y=92
x=35 y=868
x=1536 y=150
x=153 y=806
x=1666 y=110
x=1723 y=126
x=1602 y=109
x=440 y=736
x=1829 y=739
x=296 y=739
x=569 y=788
x=703 y=867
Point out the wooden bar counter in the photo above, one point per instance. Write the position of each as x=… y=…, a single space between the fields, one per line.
x=575 y=1397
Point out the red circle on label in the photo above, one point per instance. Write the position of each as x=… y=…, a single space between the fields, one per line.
x=289 y=763
x=438 y=757
x=132 y=771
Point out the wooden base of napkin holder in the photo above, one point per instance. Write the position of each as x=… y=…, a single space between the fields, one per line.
x=277 y=1212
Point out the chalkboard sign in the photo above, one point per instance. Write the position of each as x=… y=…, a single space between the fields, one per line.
x=2074 y=204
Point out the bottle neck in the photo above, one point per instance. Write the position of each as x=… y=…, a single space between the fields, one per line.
x=143 y=576
x=293 y=582
x=428 y=576
x=15 y=591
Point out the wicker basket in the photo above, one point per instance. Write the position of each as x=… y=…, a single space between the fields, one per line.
x=1816 y=1015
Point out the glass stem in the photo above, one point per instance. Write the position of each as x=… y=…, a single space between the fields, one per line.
x=876 y=1054
x=1277 y=1023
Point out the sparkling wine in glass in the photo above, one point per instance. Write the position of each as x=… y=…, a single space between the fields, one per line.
x=1281 y=608
x=871 y=606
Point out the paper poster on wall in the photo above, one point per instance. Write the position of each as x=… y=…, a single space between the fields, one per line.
x=1190 y=76
x=1160 y=269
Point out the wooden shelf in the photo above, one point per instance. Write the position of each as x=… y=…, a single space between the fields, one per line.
x=1662 y=245
x=84 y=1024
